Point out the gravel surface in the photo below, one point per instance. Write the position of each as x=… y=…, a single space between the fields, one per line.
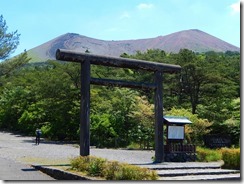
x=22 y=149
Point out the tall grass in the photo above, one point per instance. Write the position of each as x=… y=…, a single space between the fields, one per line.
x=111 y=170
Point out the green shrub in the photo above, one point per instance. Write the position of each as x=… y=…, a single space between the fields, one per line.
x=111 y=170
x=133 y=146
x=96 y=166
x=131 y=172
x=80 y=164
x=208 y=155
x=231 y=158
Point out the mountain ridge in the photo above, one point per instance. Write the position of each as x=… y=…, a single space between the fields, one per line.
x=193 y=39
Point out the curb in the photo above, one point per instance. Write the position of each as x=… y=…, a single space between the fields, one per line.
x=60 y=174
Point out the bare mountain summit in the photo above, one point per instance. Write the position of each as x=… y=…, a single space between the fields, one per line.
x=195 y=40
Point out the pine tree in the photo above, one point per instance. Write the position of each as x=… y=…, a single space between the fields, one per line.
x=8 y=41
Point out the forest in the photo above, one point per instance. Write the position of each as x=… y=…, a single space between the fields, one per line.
x=46 y=95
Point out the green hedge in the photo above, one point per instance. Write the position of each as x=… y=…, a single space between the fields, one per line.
x=230 y=156
x=208 y=155
x=111 y=170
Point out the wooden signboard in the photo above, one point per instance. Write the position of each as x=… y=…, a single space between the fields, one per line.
x=176 y=132
x=217 y=141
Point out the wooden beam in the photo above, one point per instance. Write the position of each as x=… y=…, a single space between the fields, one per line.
x=74 y=56
x=120 y=83
x=85 y=109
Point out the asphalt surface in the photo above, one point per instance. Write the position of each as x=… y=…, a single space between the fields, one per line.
x=22 y=149
x=11 y=170
x=18 y=153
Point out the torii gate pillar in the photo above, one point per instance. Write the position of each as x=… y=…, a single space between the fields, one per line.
x=158 y=105
x=85 y=109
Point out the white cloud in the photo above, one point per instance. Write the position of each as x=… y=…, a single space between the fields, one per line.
x=143 y=6
x=235 y=7
x=125 y=15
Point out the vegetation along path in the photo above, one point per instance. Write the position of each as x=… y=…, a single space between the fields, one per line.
x=23 y=150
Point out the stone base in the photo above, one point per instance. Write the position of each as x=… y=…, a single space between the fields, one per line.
x=180 y=157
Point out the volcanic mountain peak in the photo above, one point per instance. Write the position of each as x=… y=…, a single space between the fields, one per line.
x=193 y=39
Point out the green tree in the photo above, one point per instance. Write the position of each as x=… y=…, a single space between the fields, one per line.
x=221 y=87
x=13 y=101
x=232 y=125
x=8 y=44
x=143 y=115
x=8 y=66
x=102 y=131
x=51 y=102
x=193 y=77
x=112 y=105
x=8 y=41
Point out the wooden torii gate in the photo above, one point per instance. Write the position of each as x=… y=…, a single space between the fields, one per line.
x=87 y=59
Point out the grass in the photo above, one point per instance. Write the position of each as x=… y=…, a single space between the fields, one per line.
x=44 y=161
x=95 y=167
x=111 y=170
x=231 y=158
x=102 y=169
x=63 y=164
x=208 y=155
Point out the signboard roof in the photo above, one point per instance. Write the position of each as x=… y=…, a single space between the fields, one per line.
x=177 y=120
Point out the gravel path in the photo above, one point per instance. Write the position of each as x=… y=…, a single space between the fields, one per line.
x=22 y=149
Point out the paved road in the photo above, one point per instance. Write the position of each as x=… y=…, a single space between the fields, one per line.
x=11 y=170
x=18 y=151
x=23 y=149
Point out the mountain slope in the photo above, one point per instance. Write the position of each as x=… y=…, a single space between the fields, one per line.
x=193 y=39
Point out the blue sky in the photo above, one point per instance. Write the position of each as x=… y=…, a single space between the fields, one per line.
x=39 y=21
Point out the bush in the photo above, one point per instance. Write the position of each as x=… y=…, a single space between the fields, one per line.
x=208 y=155
x=231 y=158
x=96 y=166
x=131 y=172
x=80 y=164
x=111 y=170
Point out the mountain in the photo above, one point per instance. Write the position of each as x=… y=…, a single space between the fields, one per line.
x=193 y=39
